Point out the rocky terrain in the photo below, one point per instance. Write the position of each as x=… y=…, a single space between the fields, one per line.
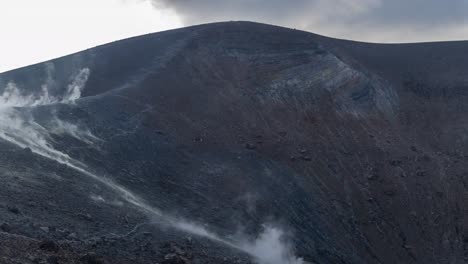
x=237 y=142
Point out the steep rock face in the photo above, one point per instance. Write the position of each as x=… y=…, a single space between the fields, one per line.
x=357 y=150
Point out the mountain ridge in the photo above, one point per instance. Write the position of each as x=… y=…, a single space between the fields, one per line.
x=242 y=22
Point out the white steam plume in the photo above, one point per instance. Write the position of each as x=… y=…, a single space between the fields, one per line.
x=12 y=96
x=271 y=247
x=60 y=127
x=18 y=127
x=76 y=87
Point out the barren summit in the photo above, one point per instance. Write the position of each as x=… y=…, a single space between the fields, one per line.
x=237 y=142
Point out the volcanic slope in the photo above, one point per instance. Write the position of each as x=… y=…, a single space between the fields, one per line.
x=237 y=142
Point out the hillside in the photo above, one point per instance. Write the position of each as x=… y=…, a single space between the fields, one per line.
x=228 y=142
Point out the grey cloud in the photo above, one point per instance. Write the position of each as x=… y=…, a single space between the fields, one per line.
x=422 y=12
x=374 y=20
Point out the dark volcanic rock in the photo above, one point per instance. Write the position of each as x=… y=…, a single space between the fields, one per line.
x=359 y=150
x=92 y=258
x=13 y=209
x=49 y=245
x=5 y=227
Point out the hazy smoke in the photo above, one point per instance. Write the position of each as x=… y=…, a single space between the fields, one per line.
x=12 y=96
x=75 y=88
x=60 y=127
x=271 y=247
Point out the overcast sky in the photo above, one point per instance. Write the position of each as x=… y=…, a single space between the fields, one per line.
x=37 y=30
